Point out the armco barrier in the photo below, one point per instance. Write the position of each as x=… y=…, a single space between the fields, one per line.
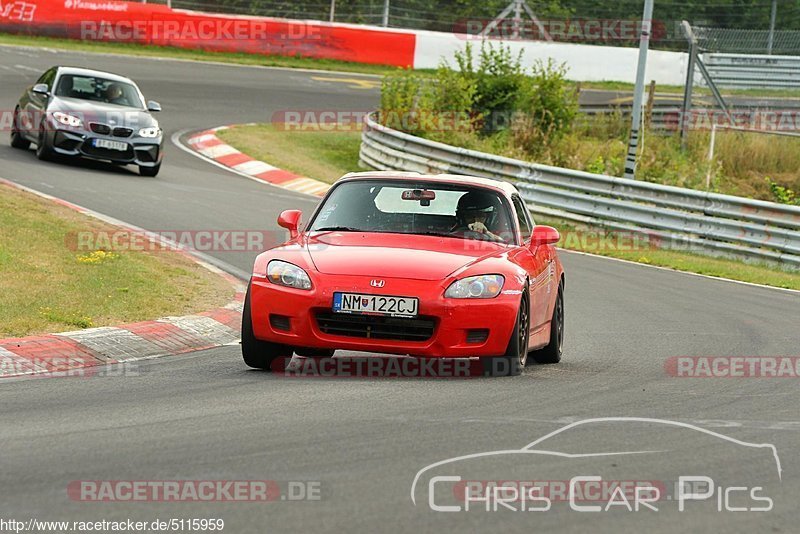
x=109 y=20
x=720 y=223
x=754 y=71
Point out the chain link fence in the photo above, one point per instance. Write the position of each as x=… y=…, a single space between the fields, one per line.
x=461 y=15
x=738 y=41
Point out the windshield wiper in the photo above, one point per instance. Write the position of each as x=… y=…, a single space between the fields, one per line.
x=337 y=229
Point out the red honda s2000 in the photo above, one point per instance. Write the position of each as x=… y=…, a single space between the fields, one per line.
x=402 y=263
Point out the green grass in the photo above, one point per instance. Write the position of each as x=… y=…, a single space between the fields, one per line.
x=334 y=153
x=197 y=55
x=326 y=156
x=46 y=285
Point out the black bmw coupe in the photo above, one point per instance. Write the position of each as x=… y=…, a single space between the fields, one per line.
x=86 y=113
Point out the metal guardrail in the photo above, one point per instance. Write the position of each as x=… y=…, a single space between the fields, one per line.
x=662 y=118
x=756 y=71
x=676 y=217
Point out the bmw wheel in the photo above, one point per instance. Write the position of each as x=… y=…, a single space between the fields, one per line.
x=17 y=139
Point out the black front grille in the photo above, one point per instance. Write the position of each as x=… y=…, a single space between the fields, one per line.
x=122 y=132
x=147 y=153
x=376 y=327
x=102 y=129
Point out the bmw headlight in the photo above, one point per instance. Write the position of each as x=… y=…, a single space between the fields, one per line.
x=476 y=287
x=150 y=132
x=287 y=274
x=67 y=120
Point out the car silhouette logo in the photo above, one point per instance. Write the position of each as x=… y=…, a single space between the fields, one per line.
x=377 y=283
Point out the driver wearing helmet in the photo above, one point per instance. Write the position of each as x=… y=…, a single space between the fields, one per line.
x=476 y=212
x=114 y=95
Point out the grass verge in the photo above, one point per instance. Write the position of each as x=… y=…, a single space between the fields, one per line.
x=328 y=155
x=323 y=155
x=196 y=55
x=46 y=286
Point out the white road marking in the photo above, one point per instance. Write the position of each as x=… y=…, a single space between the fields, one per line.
x=30 y=69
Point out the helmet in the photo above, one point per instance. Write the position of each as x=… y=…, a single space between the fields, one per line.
x=113 y=91
x=477 y=202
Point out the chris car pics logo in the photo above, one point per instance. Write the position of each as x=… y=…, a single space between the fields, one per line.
x=589 y=481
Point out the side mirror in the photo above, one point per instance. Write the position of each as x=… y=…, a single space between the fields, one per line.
x=41 y=89
x=152 y=105
x=544 y=235
x=290 y=219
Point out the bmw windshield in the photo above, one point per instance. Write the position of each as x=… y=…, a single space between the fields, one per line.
x=98 y=89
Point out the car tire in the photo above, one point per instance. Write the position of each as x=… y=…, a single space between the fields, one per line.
x=551 y=353
x=516 y=356
x=149 y=171
x=17 y=139
x=43 y=150
x=258 y=354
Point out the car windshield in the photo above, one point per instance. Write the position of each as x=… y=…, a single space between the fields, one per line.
x=421 y=208
x=98 y=89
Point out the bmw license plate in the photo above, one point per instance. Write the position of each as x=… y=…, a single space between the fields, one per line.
x=111 y=145
x=375 y=304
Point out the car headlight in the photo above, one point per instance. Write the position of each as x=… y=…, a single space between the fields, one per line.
x=476 y=287
x=287 y=274
x=67 y=120
x=150 y=132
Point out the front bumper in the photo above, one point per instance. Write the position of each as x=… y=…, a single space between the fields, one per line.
x=297 y=318
x=145 y=152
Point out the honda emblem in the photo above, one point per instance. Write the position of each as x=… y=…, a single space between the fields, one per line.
x=377 y=283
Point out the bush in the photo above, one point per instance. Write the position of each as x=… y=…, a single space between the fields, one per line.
x=499 y=79
x=399 y=96
x=547 y=108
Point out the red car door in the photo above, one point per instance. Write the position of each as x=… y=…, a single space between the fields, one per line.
x=535 y=262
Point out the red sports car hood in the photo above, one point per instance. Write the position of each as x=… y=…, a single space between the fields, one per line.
x=395 y=255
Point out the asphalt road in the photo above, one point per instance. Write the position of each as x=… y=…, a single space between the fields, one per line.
x=205 y=416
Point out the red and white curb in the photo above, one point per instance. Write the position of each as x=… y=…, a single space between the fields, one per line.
x=209 y=145
x=66 y=352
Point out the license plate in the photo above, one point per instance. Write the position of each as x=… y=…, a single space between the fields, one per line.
x=375 y=304
x=111 y=145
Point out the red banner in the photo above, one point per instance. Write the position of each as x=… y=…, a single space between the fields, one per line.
x=133 y=22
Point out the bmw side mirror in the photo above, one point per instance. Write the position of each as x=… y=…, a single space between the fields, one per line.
x=544 y=235
x=41 y=89
x=290 y=219
x=152 y=105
